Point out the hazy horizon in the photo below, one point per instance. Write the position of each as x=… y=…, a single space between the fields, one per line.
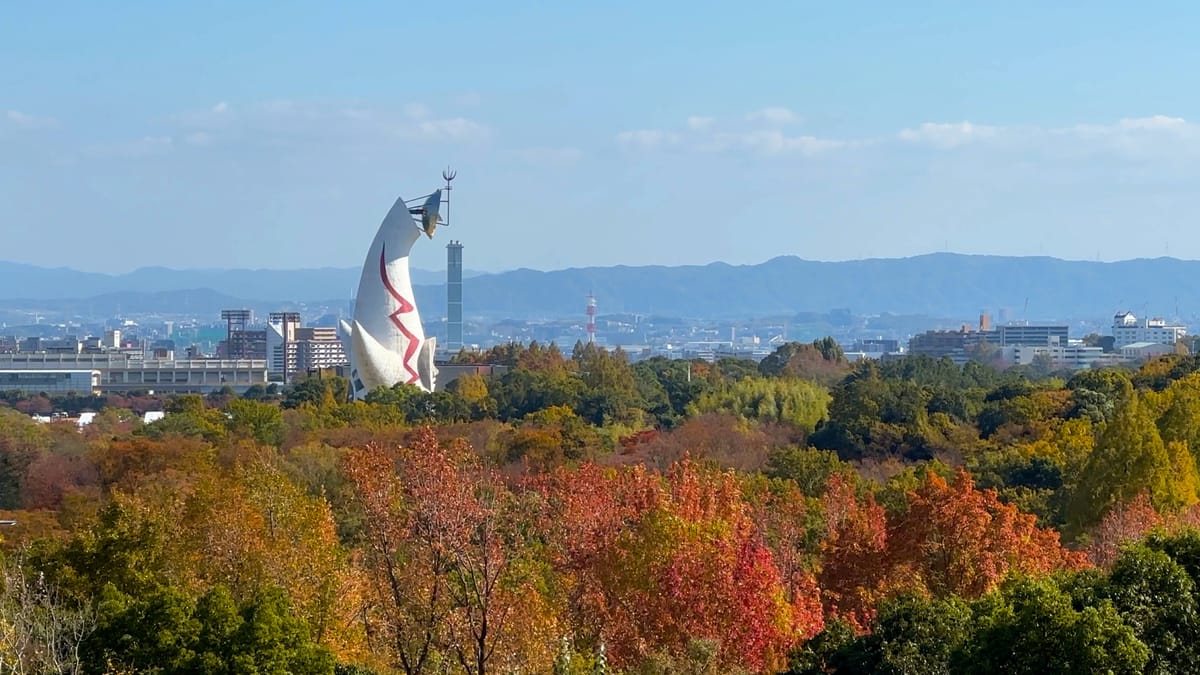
x=474 y=271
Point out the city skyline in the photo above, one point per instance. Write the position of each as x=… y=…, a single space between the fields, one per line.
x=676 y=134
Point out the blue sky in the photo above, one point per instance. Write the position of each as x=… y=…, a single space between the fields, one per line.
x=217 y=135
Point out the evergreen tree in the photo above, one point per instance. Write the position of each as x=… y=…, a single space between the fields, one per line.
x=1033 y=627
x=1131 y=458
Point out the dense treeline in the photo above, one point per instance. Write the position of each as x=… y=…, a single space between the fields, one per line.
x=581 y=514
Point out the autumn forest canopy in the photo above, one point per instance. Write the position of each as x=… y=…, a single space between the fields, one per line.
x=581 y=514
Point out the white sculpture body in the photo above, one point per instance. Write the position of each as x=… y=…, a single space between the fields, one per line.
x=386 y=342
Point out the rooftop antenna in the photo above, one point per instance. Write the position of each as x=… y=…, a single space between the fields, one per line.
x=448 y=175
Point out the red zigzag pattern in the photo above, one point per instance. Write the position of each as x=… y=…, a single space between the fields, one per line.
x=405 y=307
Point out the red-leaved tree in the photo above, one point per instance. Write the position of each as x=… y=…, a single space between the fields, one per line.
x=440 y=554
x=1123 y=523
x=656 y=562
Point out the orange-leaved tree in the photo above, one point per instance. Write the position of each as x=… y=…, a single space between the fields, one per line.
x=789 y=528
x=251 y=529
x=956 y=540
x=855 y=571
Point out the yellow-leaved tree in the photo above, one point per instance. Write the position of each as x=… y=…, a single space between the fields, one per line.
x=1130 y=458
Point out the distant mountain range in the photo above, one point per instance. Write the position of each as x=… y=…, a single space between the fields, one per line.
x=940 y=284
x=30 y=282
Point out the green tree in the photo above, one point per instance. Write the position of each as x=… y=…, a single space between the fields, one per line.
x=1095 y=394
x=668 y=387
x=1157 y=598
x=733 y=368
x=1161 y=604
x=422 y=407
x=911 y=635
x=873 y=415
x=1157 y=374
x=165 y=632
x=188 y=416
x=122 y=549
x=1032 y=626
x=1180 y=421
x=255 y=392
x=824 y=652
x=1183 y=547
x=520 y=392
x=152 y=632
x=797 y=402
x=262 y=422
x=1131 y=458
x=22 y=441
x=809 y=468
x=317 y=391
x=610 y=393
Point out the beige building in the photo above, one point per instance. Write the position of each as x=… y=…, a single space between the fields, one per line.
x=126 y=372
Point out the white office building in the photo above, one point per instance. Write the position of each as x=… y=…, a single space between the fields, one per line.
x=1071 y=356
x=1144 y=351
x=1128 y=330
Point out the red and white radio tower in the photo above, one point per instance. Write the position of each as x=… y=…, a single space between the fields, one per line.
x=591 y=314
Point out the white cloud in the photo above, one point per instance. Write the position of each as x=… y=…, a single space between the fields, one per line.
x=356 y=113
x=147 y=146
x=647 y=138
x=1134 y=137
x=198 y=138
x=453 y=129
x=23 y=120
x=773 y=143
x=1154 y=138
x=703 y=134
x=288 y=123
x=1155 y=123
x=416 y=110
x=776 y=115
x=281 y=127
x=1134 y=125
x=947 y=135
x=1142 y=137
